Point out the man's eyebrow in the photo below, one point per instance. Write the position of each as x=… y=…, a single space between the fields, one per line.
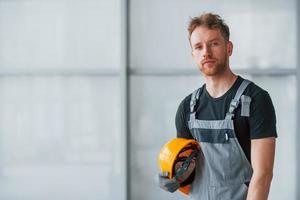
x=197 y=44
x=214 y=39
x=211 y=40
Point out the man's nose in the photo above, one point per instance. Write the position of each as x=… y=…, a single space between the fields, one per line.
x=206 y=52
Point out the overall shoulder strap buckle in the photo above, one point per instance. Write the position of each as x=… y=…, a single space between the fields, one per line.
x=236 y=100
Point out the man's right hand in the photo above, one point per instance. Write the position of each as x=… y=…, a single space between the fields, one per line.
x=170 y=185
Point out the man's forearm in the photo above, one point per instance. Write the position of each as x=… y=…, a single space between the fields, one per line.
x=262 y=160
x=259 y=187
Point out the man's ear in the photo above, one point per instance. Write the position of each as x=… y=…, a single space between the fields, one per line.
x=229 y=48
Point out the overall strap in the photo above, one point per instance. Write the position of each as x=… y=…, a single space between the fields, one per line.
x=194 y=99
x=235 y=101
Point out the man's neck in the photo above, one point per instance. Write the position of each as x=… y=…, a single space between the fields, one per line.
x=216 y=86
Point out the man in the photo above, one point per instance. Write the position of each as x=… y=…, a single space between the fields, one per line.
x=232 y=119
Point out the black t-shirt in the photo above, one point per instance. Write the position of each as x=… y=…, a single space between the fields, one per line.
x=260 y=124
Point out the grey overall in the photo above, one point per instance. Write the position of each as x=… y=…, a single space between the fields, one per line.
x=222 y=168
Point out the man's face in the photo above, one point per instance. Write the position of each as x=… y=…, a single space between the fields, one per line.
x=210 y=50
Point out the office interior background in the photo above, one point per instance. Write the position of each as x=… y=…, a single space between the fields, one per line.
x=89 y=90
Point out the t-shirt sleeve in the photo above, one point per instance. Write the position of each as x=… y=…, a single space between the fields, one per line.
x=181 y=120
x=262 y=120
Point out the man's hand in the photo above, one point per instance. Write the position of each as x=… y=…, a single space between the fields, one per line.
x=170 y=185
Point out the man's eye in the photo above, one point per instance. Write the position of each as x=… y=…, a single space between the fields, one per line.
x=215 y=44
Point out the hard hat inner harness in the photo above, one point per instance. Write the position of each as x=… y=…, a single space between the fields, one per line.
x=186 y=161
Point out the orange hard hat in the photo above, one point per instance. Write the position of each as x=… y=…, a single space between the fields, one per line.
x=176 y=158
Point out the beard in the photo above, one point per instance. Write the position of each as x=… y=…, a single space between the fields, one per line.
x=213 y=69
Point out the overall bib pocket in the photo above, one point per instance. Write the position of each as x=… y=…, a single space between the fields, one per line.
x=218 y=151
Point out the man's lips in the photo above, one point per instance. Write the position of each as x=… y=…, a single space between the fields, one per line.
x=208 y=61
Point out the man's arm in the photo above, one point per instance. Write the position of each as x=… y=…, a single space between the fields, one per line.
x=181 y=119
x=262 y=160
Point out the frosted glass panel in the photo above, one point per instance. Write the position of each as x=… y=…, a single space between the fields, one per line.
x=154 y=102
x=61 y=34
x=153 y=107
x=56 y=135
x=159 y=37
x=258 y=40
